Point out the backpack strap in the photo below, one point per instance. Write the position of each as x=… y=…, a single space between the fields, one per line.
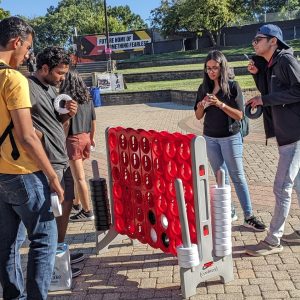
x=15 y=154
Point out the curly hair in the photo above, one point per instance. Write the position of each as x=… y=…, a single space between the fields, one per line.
x=13 y=27
x=225 y=75
x=52 y=57
x=75 y=87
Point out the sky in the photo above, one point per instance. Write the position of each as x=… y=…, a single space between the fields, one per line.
x=34 y=8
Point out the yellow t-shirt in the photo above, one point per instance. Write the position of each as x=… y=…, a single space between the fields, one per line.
x=14 y=94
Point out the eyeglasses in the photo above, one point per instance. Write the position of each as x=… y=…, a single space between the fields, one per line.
x=257 y=39
x=29 y=48
x=212 y=69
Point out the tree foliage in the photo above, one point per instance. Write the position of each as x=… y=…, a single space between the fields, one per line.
x=198 y=16
x=125 y=16
x=57 y=26
x=210 y=16
x=3 y=13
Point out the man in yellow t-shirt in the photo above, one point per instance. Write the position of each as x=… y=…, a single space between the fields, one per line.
x=24 y=188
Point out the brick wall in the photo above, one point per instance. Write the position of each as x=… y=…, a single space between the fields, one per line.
x=181 y=97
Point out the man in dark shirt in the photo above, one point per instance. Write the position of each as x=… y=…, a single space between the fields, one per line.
x=277 y=75
x=52 y=65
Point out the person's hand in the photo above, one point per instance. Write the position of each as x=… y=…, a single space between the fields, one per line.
x=252 y=68
x=255 y=101
x=39 y=134
x=56 y=187
x=204 y=103
x=71 y=106
x=213 y=100
x=93 y=144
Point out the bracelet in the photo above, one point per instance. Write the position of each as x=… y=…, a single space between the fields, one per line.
x=222 y=106
x=69 y=115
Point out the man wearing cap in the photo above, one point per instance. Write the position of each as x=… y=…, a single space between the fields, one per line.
x=277 y=76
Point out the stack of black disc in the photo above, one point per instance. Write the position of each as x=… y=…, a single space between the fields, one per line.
x=100 y=202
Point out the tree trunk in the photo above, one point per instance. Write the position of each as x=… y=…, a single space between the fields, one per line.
x=212 y=38
x=218 y=37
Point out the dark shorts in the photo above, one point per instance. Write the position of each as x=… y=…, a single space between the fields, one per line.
x=79 y=146
x=67 y=182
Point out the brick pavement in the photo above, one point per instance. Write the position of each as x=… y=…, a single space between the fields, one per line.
x=140 y=272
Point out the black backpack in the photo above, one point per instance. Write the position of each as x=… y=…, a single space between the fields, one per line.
x=243 y=124
x=15 y=154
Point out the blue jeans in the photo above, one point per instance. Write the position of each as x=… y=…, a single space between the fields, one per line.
x=287 y=177
x=227 y=153
x=25 y=204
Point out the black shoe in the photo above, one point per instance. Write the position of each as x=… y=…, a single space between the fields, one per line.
x=83 y=216
x=76 y=258
x=76 y=208
x=75 y=272
x=255 y=224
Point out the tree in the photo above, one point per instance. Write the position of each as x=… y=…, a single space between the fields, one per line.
x=3 y=13
x=57 y=26
x=124 y=15
x=198 y=16
x=166 y=17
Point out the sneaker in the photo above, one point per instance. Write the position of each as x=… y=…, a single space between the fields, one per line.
x=292 y=238
x=76 y=258
x=255 y=224
x=75 y=272
x=82 y=216
x=76 y=208
x=263 y=248
x=234 y=216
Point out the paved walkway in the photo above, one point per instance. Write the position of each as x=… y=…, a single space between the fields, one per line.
x=140 y=272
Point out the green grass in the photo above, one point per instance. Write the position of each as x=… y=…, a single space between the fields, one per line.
x=189 y=67
x=203 y=52
x=245 y=82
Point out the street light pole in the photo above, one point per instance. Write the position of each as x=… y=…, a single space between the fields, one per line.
x=107 y=50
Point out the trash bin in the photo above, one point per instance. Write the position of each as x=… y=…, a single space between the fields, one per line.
x=95 y=93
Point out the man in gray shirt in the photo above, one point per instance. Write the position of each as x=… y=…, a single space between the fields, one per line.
x=52 y=65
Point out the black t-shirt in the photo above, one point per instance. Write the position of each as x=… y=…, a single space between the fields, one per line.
x=216 y=121
x=82 y=121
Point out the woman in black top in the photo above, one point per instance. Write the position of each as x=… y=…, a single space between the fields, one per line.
x=220 y=102
x=80 y=139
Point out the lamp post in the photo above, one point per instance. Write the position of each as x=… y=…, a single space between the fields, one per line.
x=107 y=49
